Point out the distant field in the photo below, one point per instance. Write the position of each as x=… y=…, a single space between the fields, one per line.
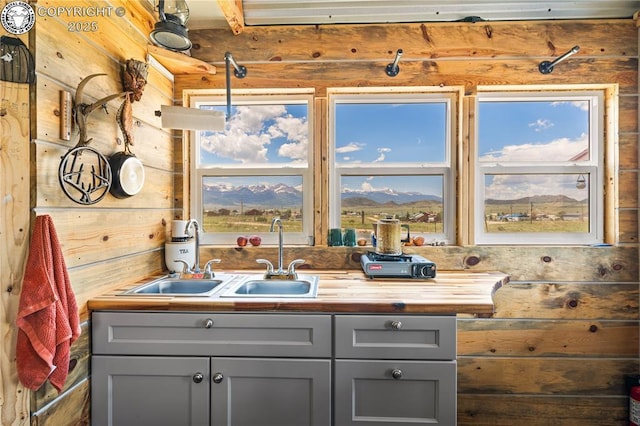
x=244 y=224
x=362 y=217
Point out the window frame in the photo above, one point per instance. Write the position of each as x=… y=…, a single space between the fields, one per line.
x=198 y=172
x=452 y=97
x=594 y=167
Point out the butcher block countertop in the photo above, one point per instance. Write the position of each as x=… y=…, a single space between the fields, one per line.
x=469 y=292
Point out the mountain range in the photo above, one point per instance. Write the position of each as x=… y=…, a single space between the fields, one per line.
x=282 y=195
x=537 y=199
x=285 y=195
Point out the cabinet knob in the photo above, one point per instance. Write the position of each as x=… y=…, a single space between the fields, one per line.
x=396 y=325
x=208 y=323
x=198 y=377
x=218 y=378
x=396 y=374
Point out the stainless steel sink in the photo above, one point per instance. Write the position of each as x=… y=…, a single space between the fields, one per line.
x=181 y=287
x=306 y=286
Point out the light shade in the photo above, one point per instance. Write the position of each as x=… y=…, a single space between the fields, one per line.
x=175 y=117
x=171 y=31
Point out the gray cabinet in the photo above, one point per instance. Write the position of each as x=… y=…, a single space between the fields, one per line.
x=268 y=369
x=270 y=392
x=210 y=369
x=395 y=370
x=127 y=390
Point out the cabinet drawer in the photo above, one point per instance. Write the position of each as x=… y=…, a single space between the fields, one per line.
x=143 y=333
x=395 y=337
x=394 y=392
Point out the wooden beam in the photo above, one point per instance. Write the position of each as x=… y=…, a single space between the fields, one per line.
x=179 y=63
x=233 y=12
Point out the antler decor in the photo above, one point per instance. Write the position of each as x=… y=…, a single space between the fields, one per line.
x=134 y=79
x=81 y=110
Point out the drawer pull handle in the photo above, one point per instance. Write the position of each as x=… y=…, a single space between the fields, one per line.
x=396 y=374
x=396 y=325
x=218 y=378
x=198 y=377
x=208 y=323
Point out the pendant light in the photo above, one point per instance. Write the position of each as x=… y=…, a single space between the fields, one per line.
x=171 y=31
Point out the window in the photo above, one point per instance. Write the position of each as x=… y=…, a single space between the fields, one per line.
x=393 y=156
x=539 y=168
x=258 y=168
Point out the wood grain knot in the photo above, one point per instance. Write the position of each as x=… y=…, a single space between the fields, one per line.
x=546 y=259
x=399 y=306
x=617 y=267
x=472 y=260
x=73 y=362
x=572 y=303
x=356 y=257
x=593 y=328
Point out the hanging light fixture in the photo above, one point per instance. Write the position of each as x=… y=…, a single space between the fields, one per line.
x=171 y=31
x=581 y=182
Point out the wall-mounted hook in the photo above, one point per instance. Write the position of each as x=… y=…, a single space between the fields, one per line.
x=546 y=67
x=393 y=69
x=239 y=71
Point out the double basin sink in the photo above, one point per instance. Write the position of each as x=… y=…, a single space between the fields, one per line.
x=230 y=285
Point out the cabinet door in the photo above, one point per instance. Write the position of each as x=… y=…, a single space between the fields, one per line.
x=270 y=392
x=152 y=391
x=386 y=393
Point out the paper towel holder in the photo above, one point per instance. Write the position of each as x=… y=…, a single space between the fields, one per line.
x=185 y=118
x=174 y=117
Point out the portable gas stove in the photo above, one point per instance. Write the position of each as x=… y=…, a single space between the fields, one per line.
x=377 y=265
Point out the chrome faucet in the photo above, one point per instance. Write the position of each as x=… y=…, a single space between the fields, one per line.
x=274 y=222
x=194 y=272
x=290 y=273
x=194 y=223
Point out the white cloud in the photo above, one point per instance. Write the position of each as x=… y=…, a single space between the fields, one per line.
x=510 y=187
x=582 y=105
x=562 y=149
x=247 y=140
x=541 y=124
x=350 y=147
x=382 y=152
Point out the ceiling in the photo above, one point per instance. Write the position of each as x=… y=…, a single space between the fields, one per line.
x=208 y=14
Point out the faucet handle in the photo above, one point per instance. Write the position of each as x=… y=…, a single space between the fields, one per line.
x=291 y=270
x=266 y=262
x=208 y=270
x=186 y=269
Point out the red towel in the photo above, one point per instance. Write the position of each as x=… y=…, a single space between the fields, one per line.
x=47 y=321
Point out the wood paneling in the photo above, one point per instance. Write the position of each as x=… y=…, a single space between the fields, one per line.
x=14 y=237
x=535 y=410
x=104 y=244
x=566 y=329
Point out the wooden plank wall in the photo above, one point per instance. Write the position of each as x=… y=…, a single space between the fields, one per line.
x=566 y=328
x=104 y=244
x=14 y=234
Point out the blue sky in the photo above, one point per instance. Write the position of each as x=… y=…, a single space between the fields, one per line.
x=532 y=131
x=539 y=132
x=259 y=134
x=387 y=134
x=393 y=135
